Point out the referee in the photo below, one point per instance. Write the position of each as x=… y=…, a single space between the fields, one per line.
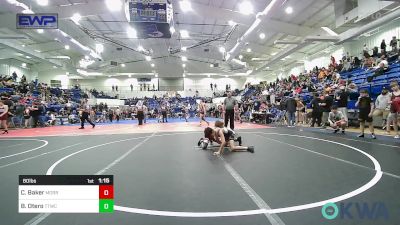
x=84 y=114
x=230 y=104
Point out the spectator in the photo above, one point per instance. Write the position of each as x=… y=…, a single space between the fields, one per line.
x=131 y=87
x=393 y=44
x=366 y=107
x=337 y=120
x=291 y=105
x=382 y=106
x=343 y=99
x=14 y=76
x=3 y=116
x=326 y=104
x=211 y=86
x=383 y=47
x=316 y=113
x=394 y=108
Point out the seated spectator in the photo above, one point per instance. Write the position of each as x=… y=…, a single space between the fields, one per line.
x=337 y=120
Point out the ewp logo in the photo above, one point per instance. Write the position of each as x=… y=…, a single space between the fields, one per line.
x=356 y=210
x=37 y=21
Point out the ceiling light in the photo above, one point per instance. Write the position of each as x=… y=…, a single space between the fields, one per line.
x=54 y=67
x=246 y=8
x=148 y=58
x=222 y=49
x=109 y=76
x=152 y=65
x=184 y=65
x=172 y=30
x=289 y=10
x=184 y=49
x=184 y=58
x=28 y=57
x=211 y=65
x=42 y=2
x=208 y=75
x=66 y=47
x=87 y=57
x=40 y=31
x=248 y=50
x=231 y=23
x=140 y=48
x=156 y=75
x=240 y=57
x=123 y=65
x=262 y=36
x=129 y=75
x=274 y=53
x=329 y=31
x=76 y=18
x=67 y=73
x=23 y=64
x=99 y=48
x=114 y=5
x=183 y=75
x=184 y=33
x=185 y=6
x=226 y=76
x=131 y=32
x=23 y=46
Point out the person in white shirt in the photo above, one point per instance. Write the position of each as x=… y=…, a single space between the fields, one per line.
x=337 y=120
x=382 y=106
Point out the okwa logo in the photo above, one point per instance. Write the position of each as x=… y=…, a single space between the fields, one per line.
x=355 y=211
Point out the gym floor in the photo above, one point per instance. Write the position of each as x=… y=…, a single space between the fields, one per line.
x=162 y=177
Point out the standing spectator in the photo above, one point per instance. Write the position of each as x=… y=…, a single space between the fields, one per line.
x=366 y=51
x=215 y=86
x=27 y=116
x=230 y=104
x=14 y=76
x=131 y=87
x=383 y=47
x=394 y=108
x=113 y=87
x=116 y=87
x=343 y=99
x=226 y=87
x=326 y=104
x=393 y=44
x=316 y=113
x=366 y=107
x=336 y=120
x=211 y=86
x=382 y=106
x=117 y=114
x=291 y=105
x=4 y=116
x=35 y=112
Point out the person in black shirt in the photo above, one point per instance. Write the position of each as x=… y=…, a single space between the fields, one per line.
x=316 y=113
x=291 y=106
x=343 y=99
x=326 y=104
x=366 y=107
x=35 y=112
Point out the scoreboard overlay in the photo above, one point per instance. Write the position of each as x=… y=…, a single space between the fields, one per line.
x=66 y=194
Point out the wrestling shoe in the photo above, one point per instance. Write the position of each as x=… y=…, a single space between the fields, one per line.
x=250 y=149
